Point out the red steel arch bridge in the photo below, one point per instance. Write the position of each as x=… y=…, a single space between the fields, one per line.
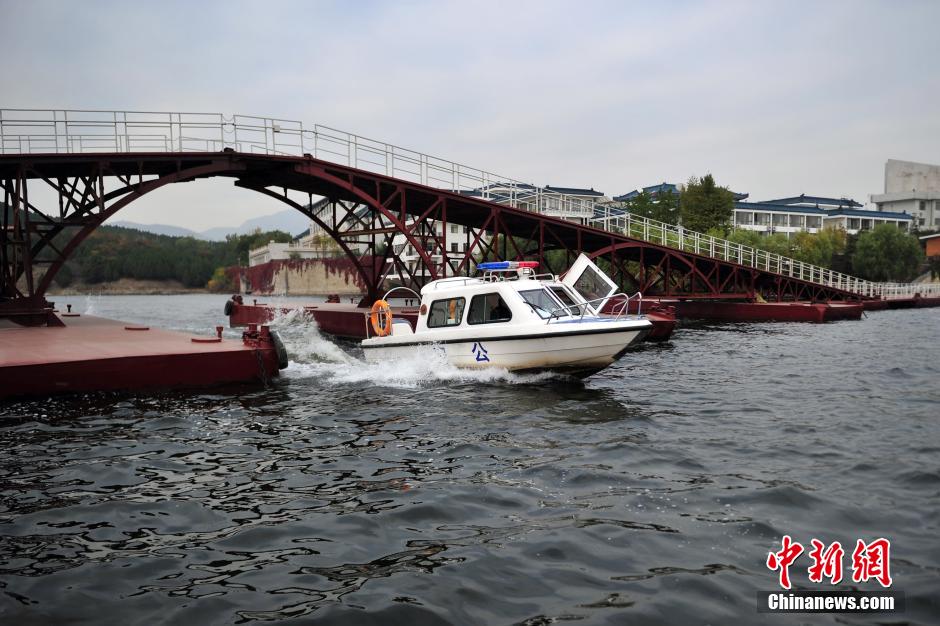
x=63 y=173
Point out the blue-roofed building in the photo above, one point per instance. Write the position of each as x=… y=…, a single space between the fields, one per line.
x=652 y=190
x=811 y=213
x=853 y=221
x=767 y=218
x=819 y=202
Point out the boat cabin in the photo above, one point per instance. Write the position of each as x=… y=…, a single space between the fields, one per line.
x=510 y=292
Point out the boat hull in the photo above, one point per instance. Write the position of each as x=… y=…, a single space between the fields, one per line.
x=575 y=354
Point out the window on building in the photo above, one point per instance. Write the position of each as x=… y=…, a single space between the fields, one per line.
x=813 y=222
x=923 y=205
x=796 y=221
x=854 y=224
x=455 y=247
x=487 y=308
x=446 y=312
x=453 y=228
x=780 y=219
x=920 y=221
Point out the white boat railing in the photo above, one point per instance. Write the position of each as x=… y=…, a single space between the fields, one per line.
x=35 y=131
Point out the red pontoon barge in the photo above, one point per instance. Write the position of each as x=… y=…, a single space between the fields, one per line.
x=87 y=353
x=743 y=311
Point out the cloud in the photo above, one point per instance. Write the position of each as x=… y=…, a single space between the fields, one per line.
x=774 y=99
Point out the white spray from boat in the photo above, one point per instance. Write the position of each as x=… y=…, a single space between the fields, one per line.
x=314 y=356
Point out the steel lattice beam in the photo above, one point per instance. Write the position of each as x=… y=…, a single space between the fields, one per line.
x=91 y=188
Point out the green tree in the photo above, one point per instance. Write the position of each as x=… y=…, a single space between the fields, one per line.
x=112 y=252
x=664 y=206
x=742 y=236
x=703 y=205
x=819 y=248
x=221 y=281
x=886 y=253
x=641 y=205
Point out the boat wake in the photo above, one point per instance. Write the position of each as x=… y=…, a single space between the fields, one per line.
x=314 y=356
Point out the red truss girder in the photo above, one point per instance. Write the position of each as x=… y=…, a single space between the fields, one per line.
x=421 y=215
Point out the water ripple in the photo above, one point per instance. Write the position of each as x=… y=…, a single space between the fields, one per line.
x=648 y=494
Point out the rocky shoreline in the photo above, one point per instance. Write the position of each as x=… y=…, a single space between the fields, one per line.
x=127 y=287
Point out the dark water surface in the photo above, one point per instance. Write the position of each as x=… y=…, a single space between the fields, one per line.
x=416 y=494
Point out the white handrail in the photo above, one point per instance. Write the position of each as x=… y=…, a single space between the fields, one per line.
x=673 y=236
x=34 y=131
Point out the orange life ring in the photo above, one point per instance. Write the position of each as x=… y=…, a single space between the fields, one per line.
x=381 y=317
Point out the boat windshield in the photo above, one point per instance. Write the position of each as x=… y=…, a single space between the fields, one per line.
x=562 y=294
x=543 y=303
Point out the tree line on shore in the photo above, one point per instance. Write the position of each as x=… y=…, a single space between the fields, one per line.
x=114 y=252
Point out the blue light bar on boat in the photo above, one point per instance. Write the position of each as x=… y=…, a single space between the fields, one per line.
x=491 y=266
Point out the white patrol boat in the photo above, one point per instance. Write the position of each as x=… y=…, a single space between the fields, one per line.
x=512 y=318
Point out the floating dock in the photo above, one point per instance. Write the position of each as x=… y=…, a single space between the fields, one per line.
x=342 y=320
x=725 y=311
x=89 y=353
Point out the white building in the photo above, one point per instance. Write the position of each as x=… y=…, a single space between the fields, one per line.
x=811 y=213
x=313 y=244
x=912 y=188
x=298 y=249
x=768 y=218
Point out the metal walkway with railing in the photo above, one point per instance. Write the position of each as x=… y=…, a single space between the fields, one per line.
x=24 y=132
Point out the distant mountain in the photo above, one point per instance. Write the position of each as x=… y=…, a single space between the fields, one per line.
x=158 y=229
x=289 y=220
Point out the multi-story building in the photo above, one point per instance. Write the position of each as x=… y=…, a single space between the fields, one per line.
x=811 y=213
x=914 y=189
x=297 y=249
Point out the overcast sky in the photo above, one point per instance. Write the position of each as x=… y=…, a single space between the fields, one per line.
x=772 y=98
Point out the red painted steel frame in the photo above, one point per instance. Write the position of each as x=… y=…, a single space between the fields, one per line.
x=367 y=209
